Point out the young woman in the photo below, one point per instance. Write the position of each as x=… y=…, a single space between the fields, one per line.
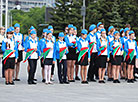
x=116 y=53
x=54 y=40
x=84 y=55
x=42 y=58
x=20 y=41
x=132 y=54
x=93 y=52
x=123 y=40
x=48 y=50
x=76 y=64
x=71 y=56
x=33 y=54
x=110 y=38
x=61 y=51
x=2 y=32
x=10 y=49
x=103 y=53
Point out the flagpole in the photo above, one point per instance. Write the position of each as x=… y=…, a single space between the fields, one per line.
x=6 y=16
x=1 y=12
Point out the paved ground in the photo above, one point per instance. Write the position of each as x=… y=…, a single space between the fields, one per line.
x=75 y=92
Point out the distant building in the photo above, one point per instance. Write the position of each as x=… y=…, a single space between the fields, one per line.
x=25 y=5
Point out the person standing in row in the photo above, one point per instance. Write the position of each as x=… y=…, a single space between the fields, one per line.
x=61 y=51
x=10 y=56
x=103 y=54
x=20 y=41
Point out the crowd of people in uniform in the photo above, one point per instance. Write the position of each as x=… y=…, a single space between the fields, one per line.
x=96 y=49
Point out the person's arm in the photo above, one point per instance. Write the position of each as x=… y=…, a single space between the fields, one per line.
x=136 y=50
x=67 y=41
x=111 y=45
x=126 y=47
x=54 y=53
x=108 y=50
x=27 y=46
x=23 y=44
x=3 y=47
x=16 y=50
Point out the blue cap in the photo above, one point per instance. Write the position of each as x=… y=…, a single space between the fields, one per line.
x=61 y=34
x=126 y=29
x=12 y=28
x=116 y=32
x=131 y=32
x=17 y=25
x=111 y=27
x=8 y=30
x=70 y=26
x=121 y=30
x=92 y=27
x=99 y=24
x=102 y=30
x=32 y=27
x=50 y=27
x=84 y=31
x=45 y=30
x=33 y=32
x=49 y=31
x=75 y=28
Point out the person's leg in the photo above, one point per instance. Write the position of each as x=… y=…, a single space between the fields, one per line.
x=11 y=75
x=17 y=70
x=109 y=71
x=103 y=73
x=76 y=72
x=30 y=76
x=6 y=75
x=132 y=71
x=34 y=67
x=125 y=70
x=46 y=73
x=43 y=75
x=49 y=73
x=72 y=69
x=100 y=74
x=59 y=71
x=114 y=72
x=3 y=70
x=117 y=72
x=90 y=69
x=68 y=69
x=129 y=72
x=28 y=67
x=82 y=72
x=65 y=70
x=85 y=73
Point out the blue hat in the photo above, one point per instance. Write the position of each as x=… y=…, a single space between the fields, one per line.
x=70 y=26
x=50 y=27
x=111 y=27
x=11 y=28
x=61 y=34
x=32 y=27
x=8 y=30
x=126 y=29
x=17 y=25
x=84 y=31
x=45 y=30
x=116 y=32
x=99 y=24
x=131 y=32
x=49 y=31
x=121 y=30
x=33 y=32
x=102 y=30
x=75 y=28
x=92 y=27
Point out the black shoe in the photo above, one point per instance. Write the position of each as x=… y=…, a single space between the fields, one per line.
x=61 y=82
x=83 y=82
x=34 y=79
x=131 y=80
x=115 y=81
x=66 y=82
x=72 y=80
x=86 y=82
x=43 y=80
x=122 y=78
x=16 y=80
x=93 y=80
x=110 y=79
x=29 y=82
x=118 y=81
x=103 y=81
x=6 y=83
x=100 y=81
x=88 y=79
x=33 y=82
x=77 y=78
x=134 y=79
x=11 y=83
x=128 y=81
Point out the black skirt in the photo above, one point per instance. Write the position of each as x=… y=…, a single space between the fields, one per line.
x=42 y=62
x=84 y=62
x=10 y=63
x=131 y=62
x=20 y=56
x=72 y=54
x=48 y=61
x=102 y=61
x=116 y=60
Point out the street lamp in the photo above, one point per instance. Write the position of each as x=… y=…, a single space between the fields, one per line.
x=83 y=13
x=1 y=12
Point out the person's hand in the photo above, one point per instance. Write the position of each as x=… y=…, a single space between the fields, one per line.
x=53 y=62
x=108 y=59
x=35 y=49
x=88 y=59
x=122 y=53
x=14 y=51
x=51 y=48
x=39 y=57
x=23 y=49
x=16 y=60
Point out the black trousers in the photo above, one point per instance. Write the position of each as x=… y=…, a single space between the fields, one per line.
x=52 y=69
x=3 y=70
x=62 y=70
x=33 y=65
x=93 y=68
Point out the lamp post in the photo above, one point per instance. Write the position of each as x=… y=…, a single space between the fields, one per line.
x=83 y=13
x=1 y=12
